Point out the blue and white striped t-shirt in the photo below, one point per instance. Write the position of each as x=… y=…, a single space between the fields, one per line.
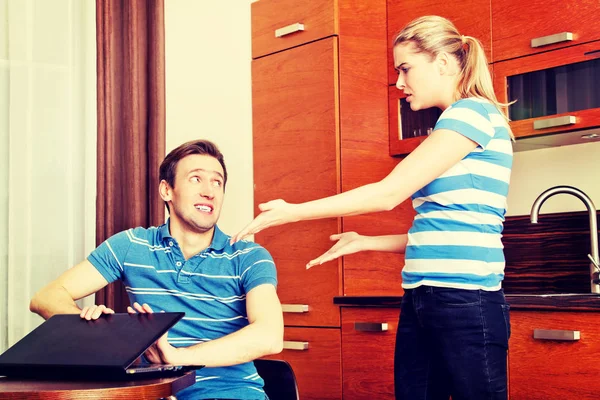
x=209 y=287
x=455 y=239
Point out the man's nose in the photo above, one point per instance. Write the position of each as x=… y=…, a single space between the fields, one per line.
x=207 y=190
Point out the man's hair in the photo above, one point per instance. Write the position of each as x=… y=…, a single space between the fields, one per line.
x=168 y=168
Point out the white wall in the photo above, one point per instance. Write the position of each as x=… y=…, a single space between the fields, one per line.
x=537 y=170
x=208 y=91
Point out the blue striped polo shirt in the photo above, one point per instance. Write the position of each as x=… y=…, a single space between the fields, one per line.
x=455 y=239
x=209 y=287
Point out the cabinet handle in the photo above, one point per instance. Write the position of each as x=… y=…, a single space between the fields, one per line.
x=552 y=39
x=554 y=122
x=295 y=308
x=295 y=345
x=287 y=30
x=371 y=326
x=554 y=334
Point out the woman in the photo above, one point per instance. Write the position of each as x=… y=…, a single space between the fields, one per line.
x=454 y=326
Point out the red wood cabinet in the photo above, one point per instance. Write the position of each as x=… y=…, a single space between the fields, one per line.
x=314 y=354
x=290 y=23
x=296 y=157
x=581 y=119
x=516 y=23
x=368 y=338
x=542 y=369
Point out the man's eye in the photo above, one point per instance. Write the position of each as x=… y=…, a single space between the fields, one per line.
x=218 y=183
x=195 y=179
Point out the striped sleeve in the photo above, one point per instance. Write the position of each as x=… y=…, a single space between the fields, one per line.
x=108 y=258
x=469 y=118
x=258 y=268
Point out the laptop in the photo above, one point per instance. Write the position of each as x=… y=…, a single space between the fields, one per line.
x=68 y=347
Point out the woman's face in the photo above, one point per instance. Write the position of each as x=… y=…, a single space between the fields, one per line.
x=419 y=76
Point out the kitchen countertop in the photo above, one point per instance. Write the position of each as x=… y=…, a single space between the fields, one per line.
x=553 y=302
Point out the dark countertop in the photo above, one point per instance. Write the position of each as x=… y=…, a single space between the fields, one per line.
x=553 y=302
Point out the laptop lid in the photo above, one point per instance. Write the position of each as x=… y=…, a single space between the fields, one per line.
x=68 y=342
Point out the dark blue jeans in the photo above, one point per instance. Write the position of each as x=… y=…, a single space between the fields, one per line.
x=452 y=342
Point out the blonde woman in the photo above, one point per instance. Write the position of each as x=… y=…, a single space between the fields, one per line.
x=454 y=324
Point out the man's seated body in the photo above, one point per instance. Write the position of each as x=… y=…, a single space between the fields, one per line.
x=228 y=292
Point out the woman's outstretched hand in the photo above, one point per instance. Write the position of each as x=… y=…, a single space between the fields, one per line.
x=274 y=212
x=347 y=243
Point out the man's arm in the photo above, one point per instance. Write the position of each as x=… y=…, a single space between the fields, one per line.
x=58 y=297
x=263 y=336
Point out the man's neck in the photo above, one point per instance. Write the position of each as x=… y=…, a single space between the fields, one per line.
x=190 y=242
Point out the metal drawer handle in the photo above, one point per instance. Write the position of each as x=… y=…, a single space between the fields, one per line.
x=554 y=122
x=554 y=334
x=295 y=345
x=295 y=308
x=552 y=39
x=287 y=30
x=371 y=326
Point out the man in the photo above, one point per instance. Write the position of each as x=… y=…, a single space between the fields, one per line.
x=232 y=312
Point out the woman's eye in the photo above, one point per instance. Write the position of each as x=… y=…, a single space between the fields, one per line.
x=195 y=179
x=217 y=183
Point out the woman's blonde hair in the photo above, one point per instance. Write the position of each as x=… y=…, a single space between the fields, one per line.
x=432 y=35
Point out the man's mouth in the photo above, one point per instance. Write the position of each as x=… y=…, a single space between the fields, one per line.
x=204 y=208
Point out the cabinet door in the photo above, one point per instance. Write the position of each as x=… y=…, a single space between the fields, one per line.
x=314 y=354
x=471 y=18
x=542 y=369
x=559 y=89
x=516 y=23
x=282 y=24
x=368 y=338
x=296 y=158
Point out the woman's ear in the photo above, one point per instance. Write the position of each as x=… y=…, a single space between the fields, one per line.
x=447 y=65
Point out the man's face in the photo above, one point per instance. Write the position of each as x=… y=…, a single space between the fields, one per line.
x=195 y=200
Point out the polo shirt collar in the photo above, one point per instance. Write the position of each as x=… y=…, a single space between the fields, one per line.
x=219 y=240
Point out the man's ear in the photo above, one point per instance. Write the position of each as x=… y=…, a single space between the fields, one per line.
x=165 y=191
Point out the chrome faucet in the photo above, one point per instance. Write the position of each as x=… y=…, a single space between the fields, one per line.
x=594 y=265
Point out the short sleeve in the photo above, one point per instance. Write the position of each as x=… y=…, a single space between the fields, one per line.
x=469 y=118
x=108 y=258
x=258 y=268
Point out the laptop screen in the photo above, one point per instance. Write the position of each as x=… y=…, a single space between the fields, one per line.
x=112 y=340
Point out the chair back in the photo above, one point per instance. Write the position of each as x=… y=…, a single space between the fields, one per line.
x=280 y=381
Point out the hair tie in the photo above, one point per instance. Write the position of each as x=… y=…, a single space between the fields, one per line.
x=465 y=45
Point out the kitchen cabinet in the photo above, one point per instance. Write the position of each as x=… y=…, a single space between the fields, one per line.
x=319 y=98
x=368 y=339
x=555 y=92
x=314 y=354
x=521 y=28
x=553 y=355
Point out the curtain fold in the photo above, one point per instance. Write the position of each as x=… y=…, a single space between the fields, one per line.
x=131 y=121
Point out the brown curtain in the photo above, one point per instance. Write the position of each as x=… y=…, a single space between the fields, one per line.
x=130 y=40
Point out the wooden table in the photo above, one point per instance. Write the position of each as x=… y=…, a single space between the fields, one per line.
x=140 y=389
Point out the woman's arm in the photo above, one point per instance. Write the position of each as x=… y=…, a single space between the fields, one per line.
x=438 y=153
x=352 y=242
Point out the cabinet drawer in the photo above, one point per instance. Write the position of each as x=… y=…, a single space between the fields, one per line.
x=552 y=85
x=471 y=18
x=317 y=367
x=282 y=24
x=368 y=339
x=296 y=158
x=554 y=369
x=516 y=23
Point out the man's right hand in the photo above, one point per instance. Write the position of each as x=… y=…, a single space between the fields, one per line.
x=94 y=312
